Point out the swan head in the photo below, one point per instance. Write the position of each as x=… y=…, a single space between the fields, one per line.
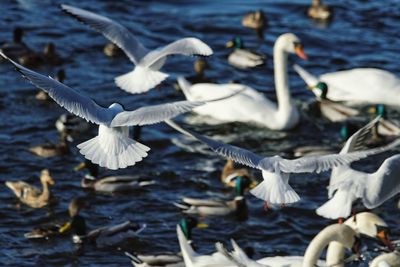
x=236 y=42
x=371 y=225
x=290 y=43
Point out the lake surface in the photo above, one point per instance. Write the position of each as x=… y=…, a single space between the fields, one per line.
x=362 y=34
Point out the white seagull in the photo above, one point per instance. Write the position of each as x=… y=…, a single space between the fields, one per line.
x=275 y=188
x=112 y=147
x=146 y=74
x=346 y=184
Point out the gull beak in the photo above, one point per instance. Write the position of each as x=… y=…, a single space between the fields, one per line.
x=202 y=225
x=300 y=52
x=229 y=44
x=384 y=238
x=81 y=166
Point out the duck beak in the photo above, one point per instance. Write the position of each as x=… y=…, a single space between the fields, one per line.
x=65 y=228
x=202 y=225
x=229 y=44
x=52 y=182
x=300 y=52
x=372 y=110
x=384 y=238
x=253 y=184
x=81 y=166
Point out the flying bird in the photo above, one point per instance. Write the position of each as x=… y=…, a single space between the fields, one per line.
x=146 y=74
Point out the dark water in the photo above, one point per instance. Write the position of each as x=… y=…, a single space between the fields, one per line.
x=363 y=33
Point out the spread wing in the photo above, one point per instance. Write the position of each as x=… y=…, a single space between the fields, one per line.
x=153 y=114
x=70 y=99
x=324 y=163
x=383 y=184
x=112 y=30
x=237 y=154
x=185 y=46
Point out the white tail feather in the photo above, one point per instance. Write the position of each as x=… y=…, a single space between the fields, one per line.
x=337 y=207
x=281 y=194
x=113 y=149
x=140 y=80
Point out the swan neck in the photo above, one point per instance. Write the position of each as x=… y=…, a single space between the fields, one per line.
x=335 y=254
x=318 y=244
x=281 y=78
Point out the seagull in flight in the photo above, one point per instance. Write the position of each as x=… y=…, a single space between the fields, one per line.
x=146 y=74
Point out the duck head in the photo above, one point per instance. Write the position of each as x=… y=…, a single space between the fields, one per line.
x=49 y=49
x=347 y=130
x=188 y=223
x=200 y=66
x=322 y=88
x=45 y=177
x=379 y=110
x=76 y=205
x=17 y=35
x=60 y=76
x=236 y=43
x=255 y=20
x=241 y=184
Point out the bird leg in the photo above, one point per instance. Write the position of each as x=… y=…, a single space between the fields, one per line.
x=266 y=206
x=340 y=221
x=282 y=205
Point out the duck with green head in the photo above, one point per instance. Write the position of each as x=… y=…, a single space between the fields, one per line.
x=388 y=128
x=212 y=207
x=241 y=57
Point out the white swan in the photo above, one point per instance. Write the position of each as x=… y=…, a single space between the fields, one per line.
x=346 y=184
x=251 y=105
x=112 y=148
x=386 y=260
x=360 y=85
x=365 y=223
x=275 y=188
x=146 y=74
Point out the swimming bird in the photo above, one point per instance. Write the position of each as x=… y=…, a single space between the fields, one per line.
x=252 y=106
x=110 y=184
x=217 y=207
x=242 y=57
x=319 y=11
x=255 y=20
x=275 y=188
x=387 y=127
x=146 y=74
x=167 y=259
x=103 y=236
x=112 y=147
x=53 y=150
x=200 y=66
x=30 y=195
x=71 y=125
x=347 y=184
x=17 y=47
x=359 y=85
x=112 y=50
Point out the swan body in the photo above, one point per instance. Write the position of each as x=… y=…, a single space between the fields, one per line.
x=275 y=188
x=31 y=195
x=146 y=74
x=386 y=260
x=251 y=106
x=360 y=85
x=112 y=147
x=346 y=184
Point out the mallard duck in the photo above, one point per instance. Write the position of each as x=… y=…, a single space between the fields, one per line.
x=205 y=207
x=71 y=124
x=52 y=150
x=200 y=65
x=44 y=231
x=103 y=236
x=17 y=47
x=110 y=184
x=386 y=127
x=49 y=56
x=168 y=259
x=230 y=173
x=319 y=11
x=242 y=57
x=31 y=195
x=112 y=50
x=255 y=20
x=42 y=95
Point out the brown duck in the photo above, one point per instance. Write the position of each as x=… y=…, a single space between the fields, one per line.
x=31 y=195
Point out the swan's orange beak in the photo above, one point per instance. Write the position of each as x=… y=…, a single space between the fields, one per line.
x=384 y=238
x=300 y=52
